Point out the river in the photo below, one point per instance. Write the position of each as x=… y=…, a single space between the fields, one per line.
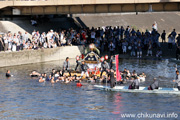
x=22 y=97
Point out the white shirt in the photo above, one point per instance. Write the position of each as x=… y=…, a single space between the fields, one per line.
x=45 y=45
x=42 y=39
x=25 y=37
x=48 y=36
x=16 y=40
x=33 y=33
x=63 y=41
x=5 y=40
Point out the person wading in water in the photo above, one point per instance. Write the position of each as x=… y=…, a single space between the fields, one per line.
x=66 y=66
x=8 y=74
x=77 y=62
x=84 y=69
x=111 y=78
x=104 y=67
x=135 y=83
x=177 y=79
x=154 y=85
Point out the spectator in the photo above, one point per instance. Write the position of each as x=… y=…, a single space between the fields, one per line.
x=111 y=48
x=154 y=26
x=107 y=39
x=34 y=23
x=149 y=49
x=163 y=36
x=139 y=49
x=124 y=46
x=159 y=53
x=170 y=41
x=1 y=43
x=173 y=33
x=133 y=49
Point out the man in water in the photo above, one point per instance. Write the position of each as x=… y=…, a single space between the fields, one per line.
x=77 y=62
x=104 y=67
x=53 y=72
x=178 y=48
x=142 y=77
x=66 y=66
x=41 y=79
x=111 y=78
x=78 y=84
x=8 y=74
x=48 y=78
x=35 y=74
x=177 y=79
x=84 y=68
x=112 y=62
x=154 y=85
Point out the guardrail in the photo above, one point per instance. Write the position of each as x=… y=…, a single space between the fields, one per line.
x=82 y=4
x=77 y=2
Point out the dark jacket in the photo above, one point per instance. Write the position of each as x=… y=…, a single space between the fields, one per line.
x=84 y=67
x=52 y=74
x=104 y=65
x=178 y=80
x=134 y=84
x=48 y=79
x=155 y=85
x=111 y=75
x=111 y=63
x=8 y=75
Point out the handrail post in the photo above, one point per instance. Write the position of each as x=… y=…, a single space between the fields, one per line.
x=13 y=2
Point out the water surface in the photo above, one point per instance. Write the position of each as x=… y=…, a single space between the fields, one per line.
x=22 y=97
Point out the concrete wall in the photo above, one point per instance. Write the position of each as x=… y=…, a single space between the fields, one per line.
x=94 y=8
x=165 y=20
x=87 y=6
x=14 y=28
x=41 y=55
x=77 y=2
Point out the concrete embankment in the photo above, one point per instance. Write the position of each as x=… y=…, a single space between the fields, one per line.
x=23 y=24
x=165 y=20
x=142 y=21
x=41 y=55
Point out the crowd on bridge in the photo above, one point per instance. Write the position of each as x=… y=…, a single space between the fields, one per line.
x=108 y=39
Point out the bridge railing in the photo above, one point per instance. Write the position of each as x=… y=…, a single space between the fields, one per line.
x=24 y=0
x=5 y=3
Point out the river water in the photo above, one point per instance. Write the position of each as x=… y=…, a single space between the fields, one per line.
x=22 y=97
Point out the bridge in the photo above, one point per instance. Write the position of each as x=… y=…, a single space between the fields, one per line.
x=42 y=7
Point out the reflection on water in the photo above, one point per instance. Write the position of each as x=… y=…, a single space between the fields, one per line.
x=22 y=97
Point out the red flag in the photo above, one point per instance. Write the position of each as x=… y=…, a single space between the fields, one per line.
x=118 y=76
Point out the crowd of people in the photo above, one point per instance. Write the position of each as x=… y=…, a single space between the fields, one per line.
x=110 y=76
x=126 y=76
x=106 y=39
